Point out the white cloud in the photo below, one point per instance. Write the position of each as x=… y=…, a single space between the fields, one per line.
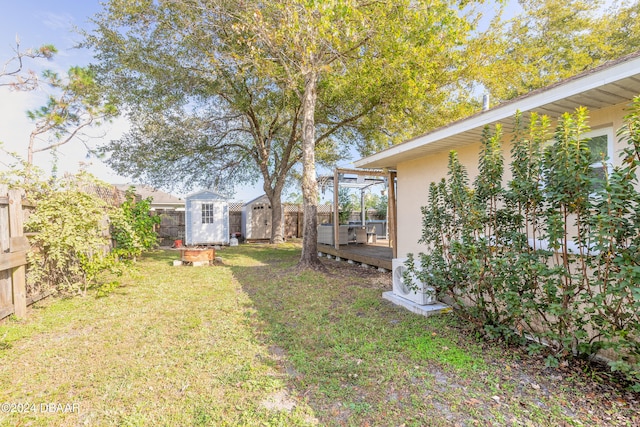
x=58 y=21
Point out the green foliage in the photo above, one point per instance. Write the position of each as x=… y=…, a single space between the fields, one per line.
x=106 y=288
x=551 y=40
x=345 y=205
x=555 y=256
x=71 y=240
x=133 y=227
x=378 y=203
x=75 y=103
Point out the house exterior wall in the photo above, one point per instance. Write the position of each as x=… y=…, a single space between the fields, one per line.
x=415 y=176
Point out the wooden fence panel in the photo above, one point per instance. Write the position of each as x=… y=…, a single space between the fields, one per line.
x=6 y=294
x=291 y=224
x=13 y=254
x=19 y=273
x=235 y=221
x=171 y=226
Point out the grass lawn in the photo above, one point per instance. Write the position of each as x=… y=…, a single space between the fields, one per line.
x=253 y=342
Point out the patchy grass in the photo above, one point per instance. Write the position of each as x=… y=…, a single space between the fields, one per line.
x=254 y=342
x=171 y=346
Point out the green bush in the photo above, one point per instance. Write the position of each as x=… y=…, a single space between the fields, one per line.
x=133 y=227
x=555 y=256
x=345 y=205
x=71 y=240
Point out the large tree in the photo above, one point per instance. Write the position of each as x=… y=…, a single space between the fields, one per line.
x=201 y=113
x=395 y=56
x=214 y=147
x=324 y=75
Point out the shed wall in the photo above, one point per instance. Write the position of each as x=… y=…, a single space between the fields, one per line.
x=199 y=232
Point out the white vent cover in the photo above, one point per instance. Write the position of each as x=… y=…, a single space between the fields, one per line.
x=421 y=294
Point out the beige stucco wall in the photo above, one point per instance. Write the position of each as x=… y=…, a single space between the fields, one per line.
x=415 y=176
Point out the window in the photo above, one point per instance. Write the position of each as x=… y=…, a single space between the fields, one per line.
x=207 y=213
x=601 y=147
x=600 y=144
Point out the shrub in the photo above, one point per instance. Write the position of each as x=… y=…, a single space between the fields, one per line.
x=555 y=256
x=133 y=227
x=70 y=240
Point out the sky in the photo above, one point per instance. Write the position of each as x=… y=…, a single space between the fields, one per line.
x=35 y=23
x=38 y=22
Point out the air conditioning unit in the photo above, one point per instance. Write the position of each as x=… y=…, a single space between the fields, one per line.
x=418 y=293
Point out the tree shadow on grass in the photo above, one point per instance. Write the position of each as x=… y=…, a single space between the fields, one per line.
x=357 y=359
x=341 y=347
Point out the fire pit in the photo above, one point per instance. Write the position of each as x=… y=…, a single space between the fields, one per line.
x=197 y=254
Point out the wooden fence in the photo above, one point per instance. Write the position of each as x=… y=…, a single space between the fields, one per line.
x=172 y=226
x=13 y=254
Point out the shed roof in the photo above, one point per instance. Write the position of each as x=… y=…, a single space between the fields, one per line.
x=611 y=83
x=208 y=193
x=264 y=196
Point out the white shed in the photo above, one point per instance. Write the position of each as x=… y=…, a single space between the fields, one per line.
x=256 y=219
x=206 y=219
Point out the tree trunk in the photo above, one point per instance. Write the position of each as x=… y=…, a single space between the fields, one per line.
x=277 y=219
x=309 y=257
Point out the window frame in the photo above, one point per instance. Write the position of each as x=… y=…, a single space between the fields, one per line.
x=572 y=247
x=608 y=132
x=207 y=213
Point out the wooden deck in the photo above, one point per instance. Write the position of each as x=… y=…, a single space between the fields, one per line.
x=378 y=255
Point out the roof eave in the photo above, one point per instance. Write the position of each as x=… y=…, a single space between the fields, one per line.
x=627 y=67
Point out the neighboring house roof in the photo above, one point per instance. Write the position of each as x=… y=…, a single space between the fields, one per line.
x=612 y=83
x=159 y=198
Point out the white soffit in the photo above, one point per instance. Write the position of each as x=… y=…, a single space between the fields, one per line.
x=612 y=83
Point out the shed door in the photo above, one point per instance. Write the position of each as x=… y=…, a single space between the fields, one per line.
x=207 y=222
x=261 y=221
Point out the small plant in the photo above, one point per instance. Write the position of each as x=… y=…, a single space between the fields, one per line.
x=104 y=289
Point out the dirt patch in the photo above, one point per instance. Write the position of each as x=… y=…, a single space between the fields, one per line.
x=279 y=401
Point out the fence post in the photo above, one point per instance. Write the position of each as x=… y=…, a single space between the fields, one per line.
x=6 y=290
x=19 y=273
x=392 y=217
